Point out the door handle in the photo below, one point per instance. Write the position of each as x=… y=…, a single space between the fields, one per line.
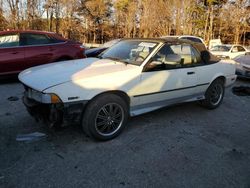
x=190 y=73
x=14 y=53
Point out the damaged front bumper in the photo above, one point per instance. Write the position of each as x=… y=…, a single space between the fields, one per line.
x=60 y=114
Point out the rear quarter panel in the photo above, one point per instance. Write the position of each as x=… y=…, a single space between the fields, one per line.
x=66 y=50
x=208 y=73
x=37 y=55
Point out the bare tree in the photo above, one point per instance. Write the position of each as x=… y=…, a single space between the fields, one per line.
x=14 y=10
x=101 y=20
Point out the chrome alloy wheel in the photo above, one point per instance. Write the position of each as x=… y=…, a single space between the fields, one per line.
x=216 y=94
x=109 y=119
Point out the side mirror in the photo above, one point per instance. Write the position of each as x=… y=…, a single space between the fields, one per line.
x=154 y=65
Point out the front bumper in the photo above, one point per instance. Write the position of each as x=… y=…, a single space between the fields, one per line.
x=60 y=114
x=230 y=80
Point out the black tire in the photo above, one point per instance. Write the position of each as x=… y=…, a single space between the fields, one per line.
x=105 y=117
x=214 y=94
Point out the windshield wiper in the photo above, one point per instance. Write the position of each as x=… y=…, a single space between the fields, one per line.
x=116 y=59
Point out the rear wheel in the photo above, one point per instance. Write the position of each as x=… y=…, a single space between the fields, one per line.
x=105 y=117
x=214 y=95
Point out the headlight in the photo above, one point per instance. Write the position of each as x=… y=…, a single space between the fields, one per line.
x=54 y=98
x=48 y=98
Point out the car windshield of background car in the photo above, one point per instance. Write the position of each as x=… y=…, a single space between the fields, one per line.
x=221 y=48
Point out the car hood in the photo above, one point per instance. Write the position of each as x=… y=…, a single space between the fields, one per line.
x=43 y=77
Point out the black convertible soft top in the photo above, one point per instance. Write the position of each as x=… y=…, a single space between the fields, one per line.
x=206 y=56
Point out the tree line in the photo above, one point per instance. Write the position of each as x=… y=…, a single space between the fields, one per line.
x=101 y=20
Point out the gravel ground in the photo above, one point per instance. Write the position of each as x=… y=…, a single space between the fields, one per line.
x=178 y=146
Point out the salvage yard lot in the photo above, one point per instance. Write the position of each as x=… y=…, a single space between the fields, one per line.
x=180 y=146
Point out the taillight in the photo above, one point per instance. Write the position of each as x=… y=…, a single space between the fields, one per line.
x=81 y=50
x=81 y=47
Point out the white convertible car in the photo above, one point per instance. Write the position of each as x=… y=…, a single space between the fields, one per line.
x=132 y=77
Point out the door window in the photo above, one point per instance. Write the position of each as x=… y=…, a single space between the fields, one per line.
x=34 y=39
x=241 y=49
x=9 y=41
x=172 y=57
x=235 y=49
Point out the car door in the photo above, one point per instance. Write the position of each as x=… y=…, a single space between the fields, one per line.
x=205 y=69
x=11 y=54
x=169 y=76
x=37 y=47
x=236 y=51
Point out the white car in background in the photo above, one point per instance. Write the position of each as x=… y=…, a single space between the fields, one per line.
x=133 y=77
x=214 y=42
x=226 y=51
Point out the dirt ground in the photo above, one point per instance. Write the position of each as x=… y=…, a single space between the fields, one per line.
x=179 y=146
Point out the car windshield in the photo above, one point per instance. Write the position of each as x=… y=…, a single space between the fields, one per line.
x=221 y=48
x=130 y=51
x=110 y=43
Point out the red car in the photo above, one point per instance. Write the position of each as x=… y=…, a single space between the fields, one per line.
x=20 y=50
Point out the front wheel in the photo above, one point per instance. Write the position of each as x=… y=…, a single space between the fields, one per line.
x=214 y=95
x=105 y=117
